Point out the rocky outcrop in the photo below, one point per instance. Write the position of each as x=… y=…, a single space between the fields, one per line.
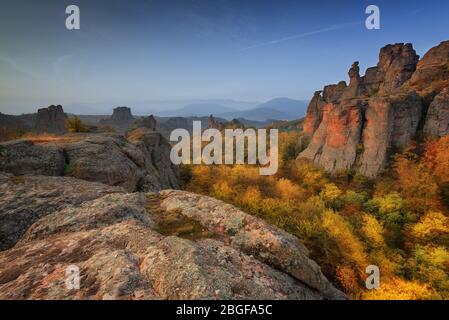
x=121 y=114
x=356 y=126
x=334 y=143
x=51 y=120
x=314 y=113
x=149 y=123
x=168 y=245
x=121 y=119
x=432 y=73
x=391 y=123
x=397 y=63
x=139 y=163
x=25 y=157
x=25 y=199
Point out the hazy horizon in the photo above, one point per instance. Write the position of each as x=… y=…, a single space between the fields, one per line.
x=147 y=52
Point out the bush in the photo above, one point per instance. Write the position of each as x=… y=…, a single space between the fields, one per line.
x=76 y=125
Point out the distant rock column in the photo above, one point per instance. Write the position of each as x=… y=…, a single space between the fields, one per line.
x=51 y=120
x=353 y=90
x=121 y=114
x=214 y=124
x=150 y=123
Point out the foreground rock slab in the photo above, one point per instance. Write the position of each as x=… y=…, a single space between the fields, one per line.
x=166 y=245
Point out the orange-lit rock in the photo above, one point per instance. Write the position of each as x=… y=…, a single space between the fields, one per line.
x=355 y=126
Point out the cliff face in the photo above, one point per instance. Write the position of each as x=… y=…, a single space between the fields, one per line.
x=354 y=126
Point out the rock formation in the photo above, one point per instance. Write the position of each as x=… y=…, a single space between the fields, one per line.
x=121 y=114
x=437 y=121
x=355 y=126
x=141 y=162
x=51 y=120
x=214 y=124
x=121 y=119
x=167 y=245
x=149 y=123
x=432 y=72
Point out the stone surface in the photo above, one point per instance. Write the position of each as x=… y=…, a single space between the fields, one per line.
x=25 y=199
x=432 y=72
x=141 y=162
x=51 y=120
x=114 y=240
x=437 y=120
x=334 y=143
x=397 y=63
x=25 y=157
x=391 y=124
x=356 y=126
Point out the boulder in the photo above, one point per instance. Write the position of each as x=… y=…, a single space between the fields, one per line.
x=25 y=199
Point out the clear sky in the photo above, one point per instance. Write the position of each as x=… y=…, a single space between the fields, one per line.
x=151 y=50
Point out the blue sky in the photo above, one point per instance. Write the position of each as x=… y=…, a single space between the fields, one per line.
x=132 y=51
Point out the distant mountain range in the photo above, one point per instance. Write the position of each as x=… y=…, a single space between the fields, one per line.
x=276 y=109
x=197 y=110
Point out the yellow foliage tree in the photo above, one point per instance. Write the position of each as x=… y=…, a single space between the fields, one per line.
x=430 y=224
x=286 y=189
x=399 y=289
x=373 y=231
x=350 y=246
